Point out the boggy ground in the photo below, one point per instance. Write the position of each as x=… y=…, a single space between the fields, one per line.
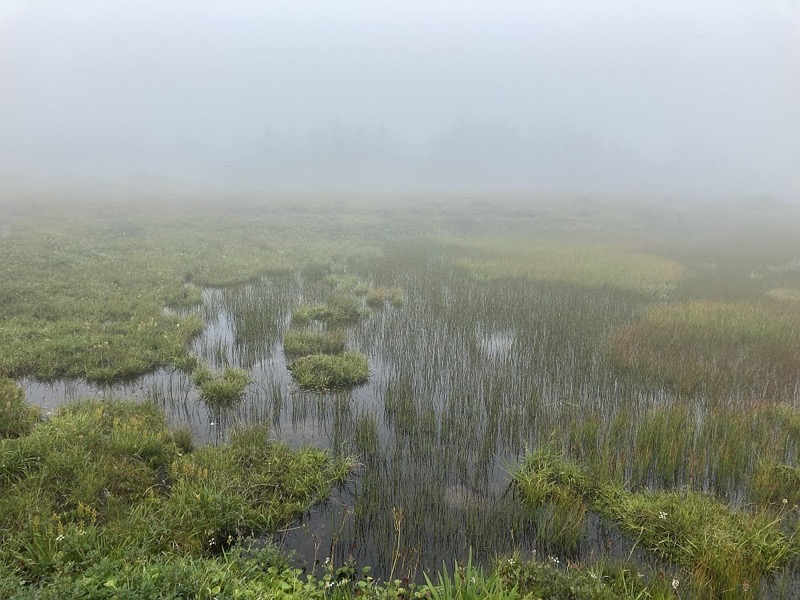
x=690 y=312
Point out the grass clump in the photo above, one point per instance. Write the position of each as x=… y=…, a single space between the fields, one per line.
x=324 y=372
x=378 y=297
x=17 y=418
x=221 y=390
x=303 y=343
x=339 y=308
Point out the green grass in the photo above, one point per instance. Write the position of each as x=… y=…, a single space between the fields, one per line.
x=323 y=372
x=17 y=418
x=378 y=297
x=105 y=486
x=303 y=343
x=221 y=390
x=724 y=551
x=339 y=309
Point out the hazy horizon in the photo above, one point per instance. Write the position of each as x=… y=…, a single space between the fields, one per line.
x=386 y=97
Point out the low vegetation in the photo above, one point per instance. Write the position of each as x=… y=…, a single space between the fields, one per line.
x=221 y=390
x=102 y=498
x=324 y=372
x=378 y=297
x=298 y=343
x=725 y=552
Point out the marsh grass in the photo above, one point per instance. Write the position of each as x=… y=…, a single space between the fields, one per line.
x=725 y=551
x=298 y=343
x=221 y=390
x=569 y=261
x=17 y=418
x=378 y=297
x=714 y=347
x=104 y=485
x=338 y=309
x=324 y=372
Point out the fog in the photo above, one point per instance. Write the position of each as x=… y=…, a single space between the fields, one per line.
x=622 y=96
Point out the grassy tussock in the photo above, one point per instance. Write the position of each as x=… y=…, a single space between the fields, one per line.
x=339 y=309
x=104 y=484
x=725 y=551
x=221 y=390
x=378 y=297
x=298 y=343
x=323 y=372
x=566 y=261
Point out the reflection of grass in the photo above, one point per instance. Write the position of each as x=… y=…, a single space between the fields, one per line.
x=322 y=372
x=565 y=261
x=715 y=346
x=303 y=343
x=725 y=551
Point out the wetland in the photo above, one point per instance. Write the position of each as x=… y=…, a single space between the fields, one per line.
x=586 y=396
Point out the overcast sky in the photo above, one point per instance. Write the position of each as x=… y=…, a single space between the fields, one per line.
x=577 y=96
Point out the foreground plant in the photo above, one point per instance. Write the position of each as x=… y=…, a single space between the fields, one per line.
x=102 y=495
x=726 y=551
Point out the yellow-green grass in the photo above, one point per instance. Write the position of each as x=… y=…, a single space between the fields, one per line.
x=563 y=260
x=325 y=372
x=786 y=294
x=298 y=343
x=714 y=346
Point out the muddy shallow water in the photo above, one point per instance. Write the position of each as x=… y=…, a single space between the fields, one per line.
x=464 y=378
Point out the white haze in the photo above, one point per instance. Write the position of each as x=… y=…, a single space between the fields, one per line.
x=606 y=96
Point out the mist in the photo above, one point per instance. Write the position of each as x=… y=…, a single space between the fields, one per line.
x=373 y=96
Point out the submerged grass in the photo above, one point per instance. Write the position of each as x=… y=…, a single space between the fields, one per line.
x=324 y=372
